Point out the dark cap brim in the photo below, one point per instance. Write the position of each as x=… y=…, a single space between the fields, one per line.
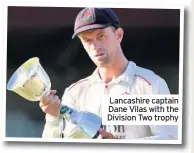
x=89 y=27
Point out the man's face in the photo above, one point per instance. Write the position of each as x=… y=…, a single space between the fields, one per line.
x=101 y=45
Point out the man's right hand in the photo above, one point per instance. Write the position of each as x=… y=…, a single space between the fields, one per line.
x=51 y=104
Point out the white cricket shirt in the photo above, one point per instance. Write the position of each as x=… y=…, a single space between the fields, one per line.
x=86 y=94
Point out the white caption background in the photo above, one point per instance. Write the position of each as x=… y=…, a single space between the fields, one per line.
x=141 y=110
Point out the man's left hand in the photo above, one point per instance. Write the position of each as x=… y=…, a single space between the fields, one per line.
x=106 y=135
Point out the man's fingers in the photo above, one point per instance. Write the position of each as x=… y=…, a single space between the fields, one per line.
x=41 y=104
x=46 y=100
x=53 y=92
x=105 y=134
x=51 y=104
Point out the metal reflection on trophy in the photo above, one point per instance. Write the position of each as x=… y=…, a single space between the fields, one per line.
x=31 y=82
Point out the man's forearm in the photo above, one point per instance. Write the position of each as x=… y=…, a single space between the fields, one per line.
x=51 y=127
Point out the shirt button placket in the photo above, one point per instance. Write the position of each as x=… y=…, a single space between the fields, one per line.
x=106 y=89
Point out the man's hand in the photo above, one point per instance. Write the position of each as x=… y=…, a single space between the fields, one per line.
x=106 y=135
x=51 y=104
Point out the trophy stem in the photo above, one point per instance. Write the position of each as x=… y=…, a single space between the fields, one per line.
x=45 y=95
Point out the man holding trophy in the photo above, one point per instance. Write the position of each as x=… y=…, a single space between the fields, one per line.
x=100 y=33
x=78 y=113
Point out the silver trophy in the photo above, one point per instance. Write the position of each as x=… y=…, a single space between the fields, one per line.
x=32 y=83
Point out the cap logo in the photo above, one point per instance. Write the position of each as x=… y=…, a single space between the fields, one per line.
x=87 y=16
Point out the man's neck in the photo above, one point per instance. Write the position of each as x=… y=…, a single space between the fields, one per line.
x=113 y=71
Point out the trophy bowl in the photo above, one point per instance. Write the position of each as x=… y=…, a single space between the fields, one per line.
x=30 y=81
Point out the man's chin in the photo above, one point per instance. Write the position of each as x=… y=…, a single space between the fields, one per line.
x=102 y=64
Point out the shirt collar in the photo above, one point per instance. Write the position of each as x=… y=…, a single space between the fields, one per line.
x=127 y=76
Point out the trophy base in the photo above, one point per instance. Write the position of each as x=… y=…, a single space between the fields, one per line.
x=97 y=134
x=90 y=124
x=87 y=123
x=79 y=133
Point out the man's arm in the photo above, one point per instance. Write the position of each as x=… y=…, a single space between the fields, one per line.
x=55 y=125
x=51 y=127
x=52 y=115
